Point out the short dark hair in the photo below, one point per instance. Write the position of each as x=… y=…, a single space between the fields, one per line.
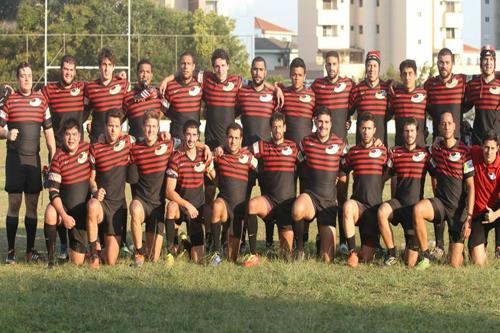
x=114 y=113
x=188 y=54
x=106 y=53
x=408 y=63
x=334 y=54
x=144 y=62
x=322 y=110
x=150 y=114
x=70 y=123
x=69 y=59
x=446 y=51
x=298 y=63
x=259 y=59
x=191 y=123
x=444 y=112
x=234 y=127
x=277 y=116
x=411 y=121
x=366 y=116
x=490 y=136
x=22 y=65
x=219 y=54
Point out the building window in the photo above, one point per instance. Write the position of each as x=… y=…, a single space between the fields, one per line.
x=352 y=28
x=352 y=2
x=486 y=2
x=419 y=42
x=360 y=29
x=378 y=3
x=330 y=4
x=360 y=3
x=487 y=19
x=342 y=27
x=378 y=28
x=450 y=6
x=330 y=31
x=450 y=33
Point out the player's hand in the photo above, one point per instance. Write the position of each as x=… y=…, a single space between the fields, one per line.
x=466 y=228
x=101 y=138
x=377 y=142
x=394 y=84
x=12 y=134
x=9 y=87
x=89 y=127
x=163 y=86
x=68 y=221
x=348 y=124
x=279 y=96
x=122 y=75
x=165 y=136
x=192 y=211
x=218 y=151
x=437 y=142
x=100 y=194
x=489 y=216
x=207 y=153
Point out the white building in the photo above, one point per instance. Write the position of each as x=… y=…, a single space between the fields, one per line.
x=490 y=22
x=190 y=5
x=400 y=29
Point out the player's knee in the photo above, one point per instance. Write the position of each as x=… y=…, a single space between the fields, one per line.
x=93 y=206
x=136 y=211
x=15 y=200
x=253 y=206
x=349 y=208
x=298 y=210
x=50 y=215
x=383 y=213
x=172 y=209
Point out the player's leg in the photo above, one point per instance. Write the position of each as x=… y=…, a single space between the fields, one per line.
x=456 y=249
x=196 y=234
x=477 y=241
x=384 y=215
x=137 y=216
x=78 y=238
x=51 y=220
x=342 y=186
x=112 y=249
x=30 y=223
x=423 y=211
x=95 y=215
x=173 y=214
x=219 y=216
x=351 y=217
x=12 y=223
x=302 y=212
x=210 y=190
x=259 y=206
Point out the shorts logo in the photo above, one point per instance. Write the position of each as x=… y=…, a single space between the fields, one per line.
x=161 y=150
x=332 y=149
x=119 y=146
x=36 y=101
x=454 y=157
x=418 y=157
x=374 y=153
x=199 y=167
x=82 y=158
x=492 y=175
x=266 y=98
x=115 y=89
x=340 y=87
x=417 y=98
x=243 y=159
x=381 y=94
x=287 y=151
x=194 y=91
x=452 y=84
x=74 y=91
x=228 y=87
x=495 y=90
x=305 y=98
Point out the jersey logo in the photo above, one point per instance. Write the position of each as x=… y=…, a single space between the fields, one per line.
x=119 y=146
x=332 y=149
x=495 y=90
x=36 y=101
x=165 y=103
x=374 y=153
x=287 y=151
x=115 y=89
x=243 y=159
x=381 y=94
x=452 y=84
x=305 y=98
x=266 y=98
x=418 y=157
x=340 y=87
x=228 y=87
x=454 y=156
x=417 y=98
x=82 y=158
x=194 y=91
x=492 y=175
x=74 y=91
x=199 y=167
x=3 y=114
x=161 y=150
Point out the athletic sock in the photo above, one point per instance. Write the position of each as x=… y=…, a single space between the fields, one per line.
x=340 y=214
x=170 y=224
x=216 y=233
x=50 y=232
x=63 y=235
x=269 y=233
x=426 y=254
x=351 y=243
x=299 y=234
x=439 y=233
x=252 y=233
x=392 y=252
x=30 y=225
x=305 y=237
x=11 y=224
x=124 y=235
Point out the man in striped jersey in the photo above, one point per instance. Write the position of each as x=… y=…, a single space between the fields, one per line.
x=409 y=163
x=24 y=113
x=453 y=202
x=69 y=187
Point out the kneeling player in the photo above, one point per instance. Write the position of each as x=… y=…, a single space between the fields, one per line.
x=68 y=192
x=453 y=201
x=322 y=152
x=409 y=164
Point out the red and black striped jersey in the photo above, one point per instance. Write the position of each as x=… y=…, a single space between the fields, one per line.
x=110 y=161
x=220 y=103
x=232 y=175
x=445 y=96
x=256 y=108
x=65 y=104
x=70 y=174
x=485 y=97
x=410 y=167
x=277 y=168
x=486 y=182
x=405 y=105
x=152 y=162
x=322 y=162
x=368 y=166
x=299 y=110
x=185 y=104
x=335 y=96
x=190 y=175
x=134 y=110
x=450 y=167
x=101 y=99
x=374 y=100
x=27 y=114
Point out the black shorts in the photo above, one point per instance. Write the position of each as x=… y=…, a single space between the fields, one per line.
x=368 y=224
x=235 y=216
x=114 y=217
x=479 y=232
x=404 y=215
x=78 y=234
x=280 y=213
x=23 y=173
x=153 y=214
x=325 y=211
x=453 y=216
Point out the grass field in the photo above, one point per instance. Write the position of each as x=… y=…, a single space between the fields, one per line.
x=275 y=296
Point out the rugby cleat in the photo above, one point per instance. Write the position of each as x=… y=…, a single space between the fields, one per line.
x=352 y=259
x=423 y=264
x=216 y=259
x=33 y=256
x=391 y=261
x=11 y=257
x=251 y=261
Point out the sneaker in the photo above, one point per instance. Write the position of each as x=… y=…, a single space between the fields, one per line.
x=352 y=260
x=497 y=253
x=437 y=253
x=11 y=257
x=63 y=253
x=391 y=261
x=343 y=249
x=94 y=261
x=423 y=264
x=50 y=265
x=300 y=256
x=139 y=258
x=125 y=251
x=251 y=261
x=33 y=256
x=243 y=248
x=170 y=260
x=216 y=259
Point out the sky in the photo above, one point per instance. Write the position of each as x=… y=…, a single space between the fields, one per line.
x=284 y=13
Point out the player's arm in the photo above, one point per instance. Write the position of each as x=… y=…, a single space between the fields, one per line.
x=172 y=194
x=97 y=193
x=277 y=92
x=56 y=202
x=466 y=228
x=50 y=141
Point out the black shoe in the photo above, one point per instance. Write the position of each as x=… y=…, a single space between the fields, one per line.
x=11 y=257
x=33 y=256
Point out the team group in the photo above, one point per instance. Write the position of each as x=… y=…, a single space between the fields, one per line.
x=174 y=177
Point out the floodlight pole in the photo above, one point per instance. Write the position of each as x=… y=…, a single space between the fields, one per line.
x=45 y=48
x=129 y=36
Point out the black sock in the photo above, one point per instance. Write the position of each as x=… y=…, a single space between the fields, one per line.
x=100 y=232
x=124 y=234
x=30 y=225
x=305 y=238
x=392 y=252
x=170 y=224
x=299 y=234
x=63 y=235
x=216 y=233
x=50 y=240
x=252 y=227
x=11 y=224
x=351 y=243
x=426 y=254
x=340 y=214
x=439 y=233
x=269 y=233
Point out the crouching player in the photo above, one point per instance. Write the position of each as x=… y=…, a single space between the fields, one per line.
x=69 y=186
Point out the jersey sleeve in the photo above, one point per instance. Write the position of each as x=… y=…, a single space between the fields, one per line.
x=390 y=162
x=173 y=167
x=468 y=165
x=55 y=177
x=256 y=148
x=353 y=100
x=4 y=114
x=47 y=120
x=345 y=162
x=92 y=157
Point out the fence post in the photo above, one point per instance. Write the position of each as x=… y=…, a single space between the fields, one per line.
x=64 y=42
x=175 y=55
x=27 y=48
x=138 y=47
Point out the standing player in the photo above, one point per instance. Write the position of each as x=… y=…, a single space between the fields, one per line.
x=453 y=201
x=277 y=159
x=409 y=164
x=107 y=206
x=367 y=163
x=487 y=201
x=483 y=92
x=69 y=186
x=24 y=113
x=321 y=152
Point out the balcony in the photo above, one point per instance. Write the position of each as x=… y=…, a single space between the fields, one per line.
x=453 y=20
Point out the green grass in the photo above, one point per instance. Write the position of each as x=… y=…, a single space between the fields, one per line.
x=275 y=296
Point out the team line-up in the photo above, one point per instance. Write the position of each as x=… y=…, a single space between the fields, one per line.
x=174 y=177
